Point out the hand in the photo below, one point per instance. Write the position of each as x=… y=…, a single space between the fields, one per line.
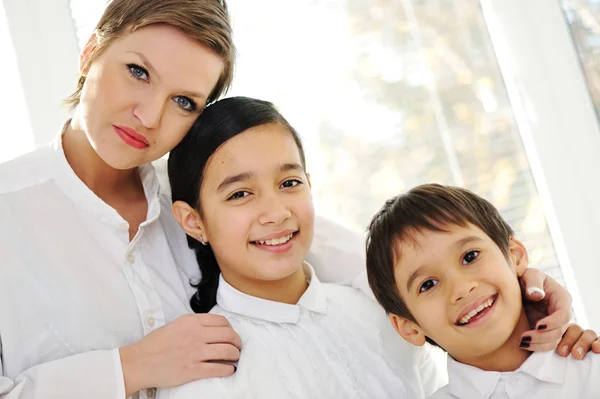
x=548 y=308
x=179 y=352
x=578 y=342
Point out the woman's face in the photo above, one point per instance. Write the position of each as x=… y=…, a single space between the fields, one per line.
x=143 y=92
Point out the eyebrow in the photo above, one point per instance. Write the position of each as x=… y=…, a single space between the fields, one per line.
x=149 y=65
x=413 y=277
x=458 y=244
x=229 y=180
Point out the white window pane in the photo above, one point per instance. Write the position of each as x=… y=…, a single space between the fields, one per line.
x=388 y=95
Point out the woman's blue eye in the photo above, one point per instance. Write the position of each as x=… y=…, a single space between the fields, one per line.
x=138 y=72
x=185 y=103
x=238 y=195
x=427 y=285
x=470 y=257
x=290 y=183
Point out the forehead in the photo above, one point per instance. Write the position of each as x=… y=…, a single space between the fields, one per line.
x=178 y=58
x=261 y=148
x=425 y=246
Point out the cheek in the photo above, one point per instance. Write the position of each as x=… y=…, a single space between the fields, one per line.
x=173 y=129
x=228 y=227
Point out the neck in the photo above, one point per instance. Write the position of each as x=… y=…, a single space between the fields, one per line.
x=508 y=357
x=287 y=290
x=104 y=180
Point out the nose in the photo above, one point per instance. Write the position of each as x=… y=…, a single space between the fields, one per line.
x=461 y=285
x=274 y=210
x=149 y=111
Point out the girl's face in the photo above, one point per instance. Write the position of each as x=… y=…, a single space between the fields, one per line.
x=142 y=94
x=257 y=207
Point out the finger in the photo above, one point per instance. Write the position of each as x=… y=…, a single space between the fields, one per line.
x=534 y=280
x=542 y=347
x=583 y=344
x=531 y=339
x=596 y=346
x=558 y=319
x=213 y=320
x=565 y=346
x=221 y=335
x=220 y=352
x=212 y=370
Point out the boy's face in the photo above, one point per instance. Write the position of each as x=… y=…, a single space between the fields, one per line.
x=461 y=289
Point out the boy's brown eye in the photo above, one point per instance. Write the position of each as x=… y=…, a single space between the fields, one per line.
x=427 y=285
x=470 y=257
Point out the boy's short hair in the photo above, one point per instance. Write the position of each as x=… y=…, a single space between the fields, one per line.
x=427 y=207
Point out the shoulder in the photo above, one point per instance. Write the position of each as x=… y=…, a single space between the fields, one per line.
x=337 y=253
x=26 y=171
x=583 y=373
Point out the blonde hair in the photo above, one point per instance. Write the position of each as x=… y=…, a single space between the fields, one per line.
x=207 y=21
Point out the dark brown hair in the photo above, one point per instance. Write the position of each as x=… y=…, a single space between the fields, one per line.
x=206 y=21
x=427 y=207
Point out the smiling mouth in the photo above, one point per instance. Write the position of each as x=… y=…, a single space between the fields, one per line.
x=478 y=312
x=275 y=241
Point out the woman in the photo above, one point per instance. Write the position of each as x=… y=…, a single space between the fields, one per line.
x=94 y=279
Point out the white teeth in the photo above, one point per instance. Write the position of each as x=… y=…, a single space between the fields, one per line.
x=475 y=311
x=277 y=241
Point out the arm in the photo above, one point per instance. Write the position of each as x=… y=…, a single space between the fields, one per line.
x=174 y=354
x=95 y=374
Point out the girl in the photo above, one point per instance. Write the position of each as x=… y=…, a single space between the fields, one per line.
x=242 y=194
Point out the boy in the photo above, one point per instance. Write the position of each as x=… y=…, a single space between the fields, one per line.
x=444 y=265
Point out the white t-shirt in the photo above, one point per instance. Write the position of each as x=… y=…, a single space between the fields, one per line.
x=73 y=288
x=334 y=343
x=544 y=375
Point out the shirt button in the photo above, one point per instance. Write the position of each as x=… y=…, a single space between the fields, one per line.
x=150 y=393
x=150 y=322
x=130 y=258
x=124 y=226
x=332 y=355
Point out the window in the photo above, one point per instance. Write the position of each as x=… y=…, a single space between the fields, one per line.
x=386 y=95
x=583 y=17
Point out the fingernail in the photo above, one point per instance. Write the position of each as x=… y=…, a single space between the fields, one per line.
x=542 y=327
x=524 y=344
x=579 y=351
x=526 y=338
x=564 y=349
x=540 y=291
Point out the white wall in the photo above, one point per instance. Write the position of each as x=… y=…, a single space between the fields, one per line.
x=46 y=52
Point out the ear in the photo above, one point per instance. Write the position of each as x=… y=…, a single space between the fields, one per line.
x=189 y=219
x=86 y=53
x=518 y=256
x=408 y=330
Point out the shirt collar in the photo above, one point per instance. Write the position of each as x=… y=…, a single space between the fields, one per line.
x=313 y=299
x=471 y=382
x=83 y=197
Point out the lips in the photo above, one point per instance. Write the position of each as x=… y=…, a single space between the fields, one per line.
x=476 y=309
x=131 y=136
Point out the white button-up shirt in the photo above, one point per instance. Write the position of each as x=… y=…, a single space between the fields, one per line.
x=73 y=288
x=544 y=375
x=334 y=343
